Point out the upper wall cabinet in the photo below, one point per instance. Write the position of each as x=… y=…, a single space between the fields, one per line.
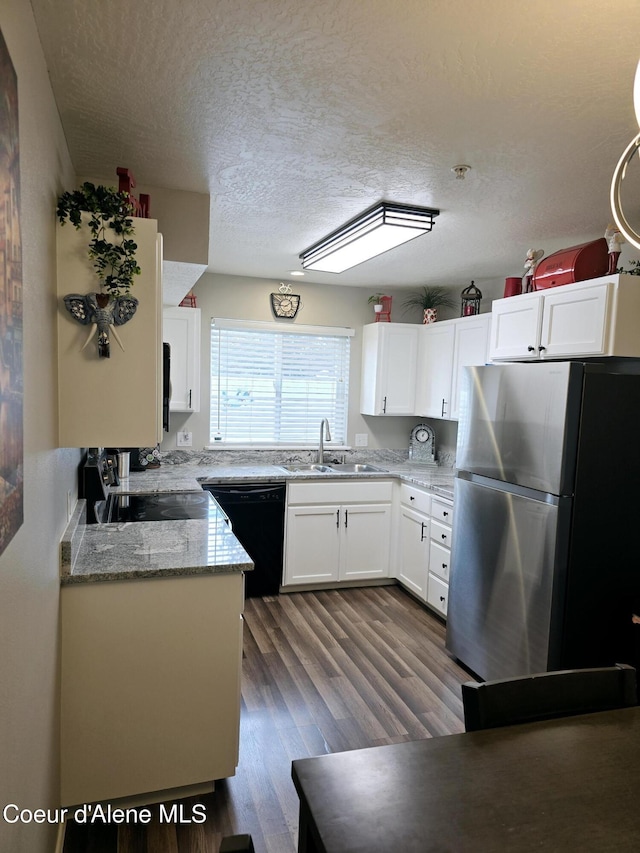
x=115 y=401
x=444 y=348
x=181 y=330
x=599 y=317
x=389 y=353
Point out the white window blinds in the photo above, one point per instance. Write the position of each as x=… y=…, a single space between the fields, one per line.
x=273 y=385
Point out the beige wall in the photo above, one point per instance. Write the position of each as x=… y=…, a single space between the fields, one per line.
x=29 y=566
x=322 y=305
x=332 y=305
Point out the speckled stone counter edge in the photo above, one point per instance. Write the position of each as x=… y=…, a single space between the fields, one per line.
x=187 y=476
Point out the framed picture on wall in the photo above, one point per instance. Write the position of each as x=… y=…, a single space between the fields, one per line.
x=11 y=430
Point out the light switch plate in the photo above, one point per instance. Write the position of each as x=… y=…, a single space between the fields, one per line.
x=184 y=439
x=362 y=439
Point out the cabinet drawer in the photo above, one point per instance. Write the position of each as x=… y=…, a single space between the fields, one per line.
x=415 y=498
x=439 y=561
x=440 y=533
x=437 y=594
x=333 y=491
x=442 y=510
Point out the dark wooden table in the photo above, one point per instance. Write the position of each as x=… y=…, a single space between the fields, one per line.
x=562 y=785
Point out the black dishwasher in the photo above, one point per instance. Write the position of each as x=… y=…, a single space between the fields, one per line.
x=256 y=512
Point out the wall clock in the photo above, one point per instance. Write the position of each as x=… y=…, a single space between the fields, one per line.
x=285 y=303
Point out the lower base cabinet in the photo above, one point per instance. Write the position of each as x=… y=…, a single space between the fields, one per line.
x=337 y=531
x=424 y=545
x=413 y=547
x=150 y=685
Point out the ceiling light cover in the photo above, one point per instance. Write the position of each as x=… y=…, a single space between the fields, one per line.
x=373 y=232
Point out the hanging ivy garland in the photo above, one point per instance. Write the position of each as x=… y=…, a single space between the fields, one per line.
x=114 y=262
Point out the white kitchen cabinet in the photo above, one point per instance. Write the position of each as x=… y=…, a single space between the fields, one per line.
x=312 y=552
x=337 y=531
x=389 y=354
x=413 y=550
x=435 y=369
x=115 y=401
x=591 y=318
x=471 y=347
x=424 y=545
x=444 y=348
x=181 y=330
x=150 y=686
x=440 y=554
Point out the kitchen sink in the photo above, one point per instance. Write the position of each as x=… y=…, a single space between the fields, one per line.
x=356 y=468
x=303 y=466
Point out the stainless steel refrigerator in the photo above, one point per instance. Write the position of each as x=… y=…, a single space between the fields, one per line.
x=545 y=564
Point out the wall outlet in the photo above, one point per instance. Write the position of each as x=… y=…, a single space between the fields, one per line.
x=184 y=439
x=362 y=439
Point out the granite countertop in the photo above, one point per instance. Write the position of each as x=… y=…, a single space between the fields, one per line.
x=190 y=476
x=104 y=552
x=150 y=549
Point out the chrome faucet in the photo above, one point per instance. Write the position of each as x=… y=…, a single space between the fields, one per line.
x=325 y=434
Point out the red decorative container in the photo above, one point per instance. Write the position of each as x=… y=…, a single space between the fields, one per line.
x=579 y=263
x=512 y=285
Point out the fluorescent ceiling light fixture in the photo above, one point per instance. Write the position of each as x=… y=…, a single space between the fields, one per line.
x=375 y=231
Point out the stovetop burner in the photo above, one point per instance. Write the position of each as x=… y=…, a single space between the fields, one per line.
x=163 y=506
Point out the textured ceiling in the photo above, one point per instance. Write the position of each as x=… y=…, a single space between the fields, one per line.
x=296 y=115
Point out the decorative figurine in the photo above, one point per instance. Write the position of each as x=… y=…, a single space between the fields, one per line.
x=615 y=239
x=530 y=264
x=104 y=312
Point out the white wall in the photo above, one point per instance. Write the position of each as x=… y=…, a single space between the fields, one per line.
x=29 y=586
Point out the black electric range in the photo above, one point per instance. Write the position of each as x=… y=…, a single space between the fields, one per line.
x=159 y=506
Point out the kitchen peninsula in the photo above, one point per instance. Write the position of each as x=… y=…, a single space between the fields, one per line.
x=151 y=647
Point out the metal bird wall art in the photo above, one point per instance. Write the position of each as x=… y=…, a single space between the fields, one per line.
x=104 y=313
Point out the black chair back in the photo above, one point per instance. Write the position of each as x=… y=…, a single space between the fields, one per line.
x=237 y=844
x=546 y=695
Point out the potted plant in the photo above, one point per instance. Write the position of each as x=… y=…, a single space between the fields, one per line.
x=376 y=300
x=114 y=262
x=429 y=299
x=113 y=252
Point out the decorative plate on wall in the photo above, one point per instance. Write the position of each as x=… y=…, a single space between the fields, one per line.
x=285 y=303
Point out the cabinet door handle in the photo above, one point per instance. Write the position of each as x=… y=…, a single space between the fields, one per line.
x=531 y=349
x=541 y=349
x=445 y=566
x=384 y=406
x=411 y=497
x=189 y=397
x=442 y=599
x=445 y=513
x=444 y=403
x=422 y=526
x=443 y=536
x=338 y=518
x=346 y=518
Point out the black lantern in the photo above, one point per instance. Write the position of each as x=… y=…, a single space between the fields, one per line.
x=471 y=297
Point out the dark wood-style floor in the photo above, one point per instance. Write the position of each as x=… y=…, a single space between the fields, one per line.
x=322 y=672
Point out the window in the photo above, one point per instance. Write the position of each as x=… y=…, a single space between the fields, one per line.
x=273 y=385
